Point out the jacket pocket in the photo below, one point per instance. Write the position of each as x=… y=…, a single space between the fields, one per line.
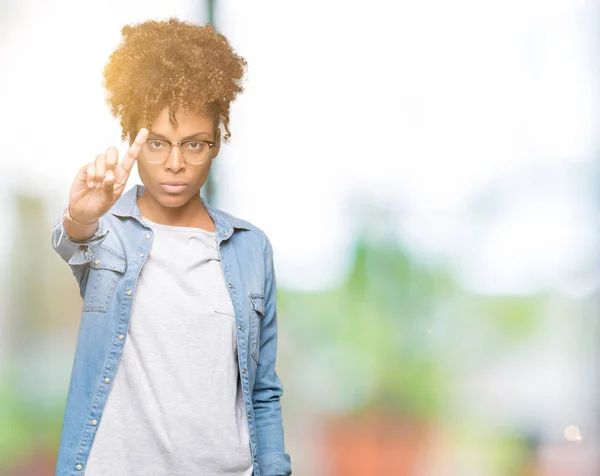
x=105 y=269
x=257 y=312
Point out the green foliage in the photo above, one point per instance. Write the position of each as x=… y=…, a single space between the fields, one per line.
x=25 y=428
x=385 y=332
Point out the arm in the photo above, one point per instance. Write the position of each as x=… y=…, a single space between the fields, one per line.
x=94 y=191
x=272 y=458
x=77 y=253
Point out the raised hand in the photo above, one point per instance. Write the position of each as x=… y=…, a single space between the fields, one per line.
x=99 y=184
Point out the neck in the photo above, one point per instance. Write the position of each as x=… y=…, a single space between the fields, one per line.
x=191 y=214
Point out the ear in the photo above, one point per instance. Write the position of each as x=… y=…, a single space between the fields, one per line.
x=217 y=147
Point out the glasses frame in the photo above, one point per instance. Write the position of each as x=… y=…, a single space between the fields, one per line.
x=210 y=143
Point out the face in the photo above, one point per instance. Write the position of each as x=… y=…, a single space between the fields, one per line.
x=175 y=182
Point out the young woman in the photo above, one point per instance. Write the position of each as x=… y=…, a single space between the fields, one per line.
x=174 y=371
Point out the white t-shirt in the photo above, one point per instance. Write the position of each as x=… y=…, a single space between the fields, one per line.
x=176 y=406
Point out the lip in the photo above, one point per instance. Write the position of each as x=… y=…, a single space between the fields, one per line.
x=173 y=187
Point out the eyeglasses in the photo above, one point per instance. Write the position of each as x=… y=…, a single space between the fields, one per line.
x=194 y=152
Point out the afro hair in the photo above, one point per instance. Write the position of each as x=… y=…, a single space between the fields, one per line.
x=174 y=64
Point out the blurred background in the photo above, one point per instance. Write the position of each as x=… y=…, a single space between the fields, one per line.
x=428 y=175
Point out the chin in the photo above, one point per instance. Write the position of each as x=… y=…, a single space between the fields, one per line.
x=174 y=201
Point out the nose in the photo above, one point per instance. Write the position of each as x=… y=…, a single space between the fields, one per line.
x=175 y=161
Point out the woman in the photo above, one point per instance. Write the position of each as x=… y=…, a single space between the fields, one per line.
x=174 y=371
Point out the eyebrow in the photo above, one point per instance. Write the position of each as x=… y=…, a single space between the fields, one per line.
x=193 y=136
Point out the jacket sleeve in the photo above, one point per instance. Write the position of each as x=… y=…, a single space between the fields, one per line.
x=272 y=458
x=77 y=254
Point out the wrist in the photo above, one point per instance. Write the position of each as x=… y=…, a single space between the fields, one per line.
x=67 y=214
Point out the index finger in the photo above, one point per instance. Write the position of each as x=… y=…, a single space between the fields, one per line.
x=134 y=151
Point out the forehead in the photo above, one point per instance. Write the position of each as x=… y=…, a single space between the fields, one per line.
x=187 y=123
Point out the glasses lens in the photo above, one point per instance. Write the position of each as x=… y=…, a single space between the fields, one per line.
x=195 y=152
x=156 y=151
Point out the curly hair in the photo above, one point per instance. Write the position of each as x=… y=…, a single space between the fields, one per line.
x=172 y=64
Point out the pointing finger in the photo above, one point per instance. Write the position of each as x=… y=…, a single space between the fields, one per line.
x=134 y=151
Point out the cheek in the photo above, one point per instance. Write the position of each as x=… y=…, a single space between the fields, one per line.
x=200 y=176
x=143 y=173
x=143 y=170
x=204 y=174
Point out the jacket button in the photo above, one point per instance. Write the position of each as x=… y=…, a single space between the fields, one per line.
x=243 y=371
x=121 y=337
x=255 y=459
x=240 y=327
x=249 y=415
x=148 y=235
x=230 y=285
x=107 y=380
x=94 y=422
x=129 y=292
x=79 y=467
x=97 y=261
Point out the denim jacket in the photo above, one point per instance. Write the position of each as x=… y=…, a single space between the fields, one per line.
x=107 y=267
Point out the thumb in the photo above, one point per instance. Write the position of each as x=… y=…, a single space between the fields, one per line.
x=121 y=178
x=108 y=184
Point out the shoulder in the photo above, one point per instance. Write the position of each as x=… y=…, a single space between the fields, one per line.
x=245 y=232
x=249 y=231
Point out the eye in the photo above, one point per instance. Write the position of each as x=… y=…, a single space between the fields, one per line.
x=156 y=144
x=195 y=146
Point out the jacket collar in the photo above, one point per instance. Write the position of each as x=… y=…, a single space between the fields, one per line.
x=127 y=206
